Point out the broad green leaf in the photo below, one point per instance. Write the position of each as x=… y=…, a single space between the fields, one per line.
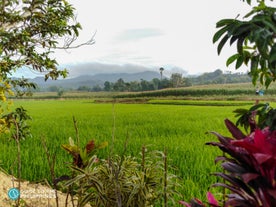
x=222 y=43
x=255 y=77
x=224 y=22
x=254 y=64
x=246 y=56
x=242 y=28
x=71 y=149
x=263 y=63
x=239 y=62
x=233 y=39
x=268 y=81
x=219 y=33
x=271 y=25
x=71 y=141
x=263 y=47
x=231 y=59
x=272 y=55
x=240 y=45
x=250 y=13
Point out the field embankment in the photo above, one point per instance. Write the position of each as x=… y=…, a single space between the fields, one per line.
x=244 y=91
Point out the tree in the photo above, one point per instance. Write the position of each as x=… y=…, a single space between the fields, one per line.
x=177 y=80
x=83 y=88
x=255 y=41
x=119 y=85
x=107 y=86
x=30 y=30
x=156 y=83
x=135 y=86
x=161 y=72
x=145 y=86
x=97 y=88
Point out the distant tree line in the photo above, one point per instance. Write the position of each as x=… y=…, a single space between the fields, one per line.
x=175 y=81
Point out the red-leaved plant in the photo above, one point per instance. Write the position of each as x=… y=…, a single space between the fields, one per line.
x=249 y=163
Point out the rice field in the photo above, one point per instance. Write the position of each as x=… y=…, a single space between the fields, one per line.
x=181 y=129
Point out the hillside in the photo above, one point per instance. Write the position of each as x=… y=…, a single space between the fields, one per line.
x=94 y=80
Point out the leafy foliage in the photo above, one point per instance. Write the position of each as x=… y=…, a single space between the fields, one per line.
x=249 y=164
x=259 y=116
x=123 y=181
x=82 y=156
x=29 y=30
x=255 y=41
x=248 y=161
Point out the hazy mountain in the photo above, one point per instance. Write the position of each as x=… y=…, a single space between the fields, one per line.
x=93 y=80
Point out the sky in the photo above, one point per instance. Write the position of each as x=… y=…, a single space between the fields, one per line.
x=138 y=35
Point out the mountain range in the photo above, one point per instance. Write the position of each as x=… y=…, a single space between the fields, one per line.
x=94 y=80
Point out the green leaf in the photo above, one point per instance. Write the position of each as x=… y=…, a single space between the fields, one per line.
x=239 y=62
x=219 y=33
x=268 y=81
x=224 y=22
x=246 y=56
x=233 y=39
x=240 y=45
x=250 y=13
x=231 y=59
x=222 y=43
x=270 y=25
x=272 y=55
x=254 y=64
x=244 y=27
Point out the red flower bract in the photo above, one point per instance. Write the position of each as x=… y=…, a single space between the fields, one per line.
x=261 y=146
x=212 y=201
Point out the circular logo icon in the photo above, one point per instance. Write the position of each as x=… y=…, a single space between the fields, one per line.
x=13 y=193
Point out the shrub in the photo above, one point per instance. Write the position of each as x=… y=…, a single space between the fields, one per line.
x=248 y=161
x=119 y=180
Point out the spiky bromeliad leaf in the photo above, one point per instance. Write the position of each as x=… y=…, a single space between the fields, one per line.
x=234 y=130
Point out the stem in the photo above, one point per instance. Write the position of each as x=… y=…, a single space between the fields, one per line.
x=51 y=163
x=224 y=189
x=16 y=138
x=77 y=131
x=143 y=158
x=165 y=178
x=19 y=169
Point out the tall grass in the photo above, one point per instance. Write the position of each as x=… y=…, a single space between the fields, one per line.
x=181 y=129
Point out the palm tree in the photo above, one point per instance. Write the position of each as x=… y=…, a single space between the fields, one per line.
x=161 y=72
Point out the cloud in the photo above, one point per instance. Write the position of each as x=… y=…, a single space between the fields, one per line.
x=93 y=68
x=174 y=69
x=138 y=34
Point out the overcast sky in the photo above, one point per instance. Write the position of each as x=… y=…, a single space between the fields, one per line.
x=173 y=34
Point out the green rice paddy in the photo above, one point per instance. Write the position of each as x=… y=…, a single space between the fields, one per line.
x=180 y=128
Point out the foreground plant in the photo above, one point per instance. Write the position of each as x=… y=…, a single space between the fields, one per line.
x=254 y=37
x=249 y=163
x=198 y=203
x=18 y=128
x=122 y=180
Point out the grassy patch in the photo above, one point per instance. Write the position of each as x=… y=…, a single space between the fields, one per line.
x=181 y=129
x=200 y=102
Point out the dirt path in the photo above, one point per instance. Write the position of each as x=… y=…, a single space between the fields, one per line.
x=33 y=195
